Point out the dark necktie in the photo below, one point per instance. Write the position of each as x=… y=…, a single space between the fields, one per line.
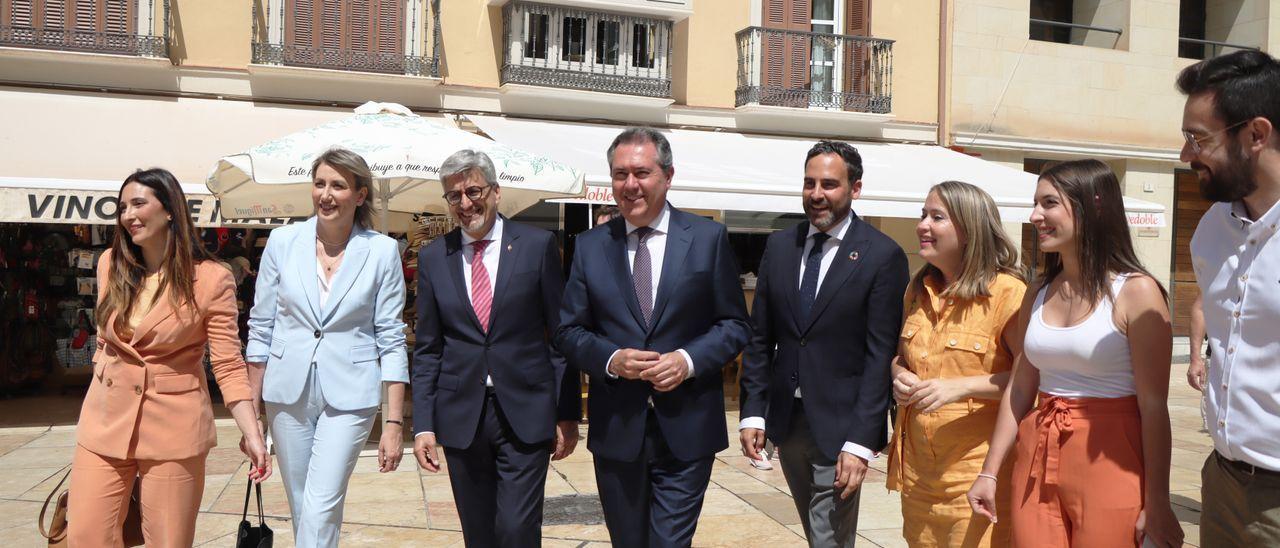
x=812 y=267
x=642 y=274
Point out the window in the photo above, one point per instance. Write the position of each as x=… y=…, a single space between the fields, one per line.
x=358 y=34
x=573 y=46
x=1191 y=15
x=1097 y=23
x=642 y=42
x=536 y=26
x=1209 y=29
x=823 y=58
x=607 y=40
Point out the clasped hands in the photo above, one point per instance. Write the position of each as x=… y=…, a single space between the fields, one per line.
x=664 y=371
x=927 y=395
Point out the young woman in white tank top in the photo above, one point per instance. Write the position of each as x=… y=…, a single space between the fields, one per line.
x=1092 y=457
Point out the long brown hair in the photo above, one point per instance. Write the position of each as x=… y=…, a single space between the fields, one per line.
x=1102 y=240
x=988 y=251
x=177 y=282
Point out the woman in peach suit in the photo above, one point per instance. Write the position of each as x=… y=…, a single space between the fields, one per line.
x=147 y=416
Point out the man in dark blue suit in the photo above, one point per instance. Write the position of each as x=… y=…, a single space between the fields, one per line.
x=653 y=311
x=484 y=371
x=815 y=377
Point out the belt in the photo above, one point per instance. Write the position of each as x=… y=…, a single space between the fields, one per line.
x=1053 y=422
x=1247 y=468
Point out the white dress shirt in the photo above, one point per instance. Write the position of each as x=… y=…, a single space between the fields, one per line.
x=657 y=244
x=492 y=253
x=490 y=259
x=323 y=282
x=1237 y=265
x=829 y=248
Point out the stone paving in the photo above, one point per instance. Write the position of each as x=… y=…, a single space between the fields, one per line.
x=409 y=507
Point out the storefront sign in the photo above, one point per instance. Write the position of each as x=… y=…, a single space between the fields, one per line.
x=39 y=205
x=599 y=195
x=1139 y=220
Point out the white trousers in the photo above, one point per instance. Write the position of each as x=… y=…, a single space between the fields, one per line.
x=316 y=450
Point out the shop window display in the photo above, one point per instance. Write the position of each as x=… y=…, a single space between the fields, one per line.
x=47 y=292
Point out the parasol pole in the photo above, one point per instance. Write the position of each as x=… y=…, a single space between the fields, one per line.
x=384 y=195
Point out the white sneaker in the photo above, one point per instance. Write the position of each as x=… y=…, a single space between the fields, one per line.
x=763 y=463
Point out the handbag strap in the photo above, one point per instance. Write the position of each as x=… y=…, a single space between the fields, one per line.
x=44 y=532
x=252 y=488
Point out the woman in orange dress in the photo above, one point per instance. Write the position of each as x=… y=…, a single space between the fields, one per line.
x=954 y=356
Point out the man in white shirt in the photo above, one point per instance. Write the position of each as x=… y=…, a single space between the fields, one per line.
x=816 y=376
x=1229 y=124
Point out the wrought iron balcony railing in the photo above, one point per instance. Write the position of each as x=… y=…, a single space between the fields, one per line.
x=343 y=59
x=801 y=69
x=573 y=48
x=129 y=31
x=272 y=46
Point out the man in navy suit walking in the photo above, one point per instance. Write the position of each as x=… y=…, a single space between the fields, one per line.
x=484 y=371
x=826 y=316
x=653 y=311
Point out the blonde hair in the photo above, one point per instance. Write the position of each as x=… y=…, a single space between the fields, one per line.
x=987 y=250
x=345 y=160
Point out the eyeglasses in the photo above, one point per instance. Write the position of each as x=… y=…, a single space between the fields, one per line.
x=1194 y=142
x=474 y=193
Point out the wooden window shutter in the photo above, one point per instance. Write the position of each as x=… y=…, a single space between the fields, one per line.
x=786 y=56
x=389 y=27
x=300 y=23
x=17 y=13
x=54 y=14
x=118 y=17
x=360 y=25
x=330 y=28
x=857 y=54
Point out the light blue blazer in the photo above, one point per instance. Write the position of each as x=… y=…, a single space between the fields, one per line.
x=356 y=340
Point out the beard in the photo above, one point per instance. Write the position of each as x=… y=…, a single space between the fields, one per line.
x=825 y=219
x=1233 y=181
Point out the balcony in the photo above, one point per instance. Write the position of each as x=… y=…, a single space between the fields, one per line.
x=811 y=70
x=375 y=36
x=117 y=27
x=564 y=47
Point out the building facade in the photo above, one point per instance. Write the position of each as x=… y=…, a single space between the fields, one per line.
x=1043 y=80
x=93 y=89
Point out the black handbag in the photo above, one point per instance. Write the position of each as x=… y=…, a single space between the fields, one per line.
x=250 y=536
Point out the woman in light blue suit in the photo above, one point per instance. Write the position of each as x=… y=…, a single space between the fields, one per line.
x=326 y=328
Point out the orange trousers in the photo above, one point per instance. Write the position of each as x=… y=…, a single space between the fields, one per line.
x=1078 y=474
x=100 y=488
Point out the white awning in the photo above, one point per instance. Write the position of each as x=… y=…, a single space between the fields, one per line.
x=739 y=172
x=87 y=201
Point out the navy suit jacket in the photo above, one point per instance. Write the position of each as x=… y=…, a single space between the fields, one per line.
x=840 y=354
x=452 y=354
x=699 y=307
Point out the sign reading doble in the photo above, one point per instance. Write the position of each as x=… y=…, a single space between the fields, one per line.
x=40 y=205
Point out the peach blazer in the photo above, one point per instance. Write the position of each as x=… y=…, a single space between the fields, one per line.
x=148 y=398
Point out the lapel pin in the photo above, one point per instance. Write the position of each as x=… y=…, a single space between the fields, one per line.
x=508 y=247
x=853 y=255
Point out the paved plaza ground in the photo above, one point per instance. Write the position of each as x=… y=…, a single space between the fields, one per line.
x=409 y=507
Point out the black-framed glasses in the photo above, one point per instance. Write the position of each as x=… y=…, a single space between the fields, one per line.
x=474 y=193
x=1194 y=142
